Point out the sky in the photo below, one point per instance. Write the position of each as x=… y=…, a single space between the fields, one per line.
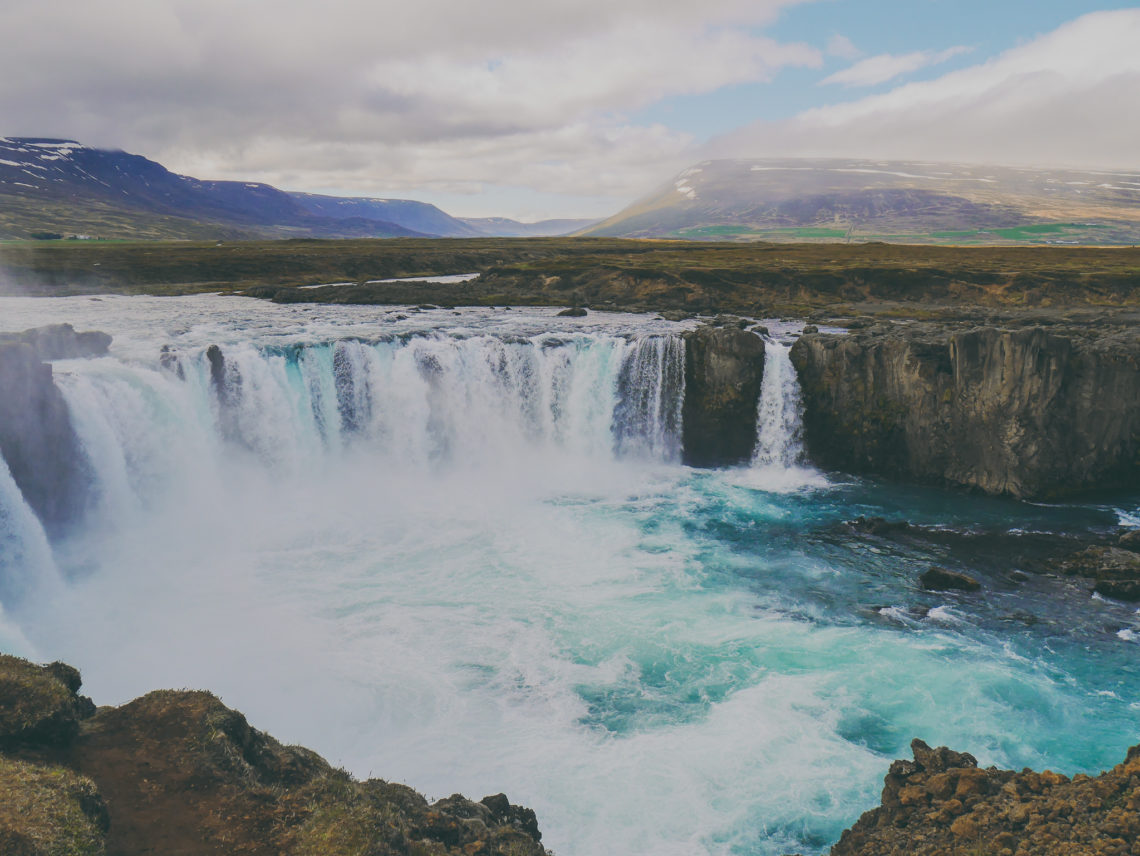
x=567 y=108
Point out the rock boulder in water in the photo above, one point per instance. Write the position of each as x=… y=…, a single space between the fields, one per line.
x=940 y=579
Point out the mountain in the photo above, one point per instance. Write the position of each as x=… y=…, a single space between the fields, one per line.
x=506 y=228
x=808 y=199
x=420 y=216
x=432 y=221
x=62 y=187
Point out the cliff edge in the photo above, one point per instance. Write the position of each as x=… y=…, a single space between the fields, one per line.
x=181 y=774
x=1033 y=411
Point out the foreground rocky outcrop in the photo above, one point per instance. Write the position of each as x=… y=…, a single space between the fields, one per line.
x=724 y=370
x=941 y=803
x=1036 y=411
x=37 y=440
x=180 y=773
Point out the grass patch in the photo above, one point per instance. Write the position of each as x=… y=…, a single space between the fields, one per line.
x=49 y=810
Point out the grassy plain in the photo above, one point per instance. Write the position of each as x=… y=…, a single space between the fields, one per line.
x=599 y=272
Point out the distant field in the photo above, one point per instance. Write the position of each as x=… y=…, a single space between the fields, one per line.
x=599 y=272
x=1038 y=234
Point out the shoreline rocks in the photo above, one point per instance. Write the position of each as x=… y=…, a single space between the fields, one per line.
x=943 y=803
x=179 y=772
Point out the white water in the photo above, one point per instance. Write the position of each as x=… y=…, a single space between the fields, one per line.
x=779 y=439
x=457 y=550
x=779 y=463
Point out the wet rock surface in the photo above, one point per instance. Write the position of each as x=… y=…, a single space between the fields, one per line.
x=942 y=803
x=1116 y=571
x=1029 y=411
x=180 y=773
x=60 y=342
x=724 y=370
x=941 y=579
x=37 y=439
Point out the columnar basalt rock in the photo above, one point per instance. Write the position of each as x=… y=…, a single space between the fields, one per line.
x=1030 y=412
x=37 y=440
x=724 y=371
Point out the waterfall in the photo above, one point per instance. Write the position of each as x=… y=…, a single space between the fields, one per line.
x=435 y=399
x=779 y=428
x=439 y=397
x=26 y=563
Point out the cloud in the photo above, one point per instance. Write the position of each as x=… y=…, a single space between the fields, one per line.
x=1066 y=98
x=842 y=47
x=381 y=97
x=879 y=69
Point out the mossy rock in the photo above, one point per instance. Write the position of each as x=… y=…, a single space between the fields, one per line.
x=49 y=811
x=39 y=704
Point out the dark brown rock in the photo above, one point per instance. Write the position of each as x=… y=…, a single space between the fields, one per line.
x=1130 y=540
x=942 y=803
x=941 y=579
x=1126 y=590
x=724 y=370
x=1102 y=563
x=573 y=312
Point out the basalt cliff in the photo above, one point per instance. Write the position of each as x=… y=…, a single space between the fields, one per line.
x=1025 y=409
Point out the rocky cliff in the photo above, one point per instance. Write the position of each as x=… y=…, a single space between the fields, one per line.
x=724 y=370
x=942 y=803
x=1031 y=411
x=37 y=440
x=180 y=773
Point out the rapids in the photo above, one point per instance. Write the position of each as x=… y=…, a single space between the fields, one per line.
x=457 y=550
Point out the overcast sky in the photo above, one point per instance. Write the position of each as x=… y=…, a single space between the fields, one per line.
x=554 y=108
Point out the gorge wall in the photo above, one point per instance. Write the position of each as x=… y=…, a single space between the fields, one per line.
x=1029 y=412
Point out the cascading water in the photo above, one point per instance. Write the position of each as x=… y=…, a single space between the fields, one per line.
x=459 y=551
x=436 y=398
x=779 y=429
x=778 y=459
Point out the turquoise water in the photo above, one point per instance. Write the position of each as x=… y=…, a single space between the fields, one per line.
x=490 y=575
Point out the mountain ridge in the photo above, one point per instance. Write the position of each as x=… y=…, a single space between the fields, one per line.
x=834 y=199
x=62 y=187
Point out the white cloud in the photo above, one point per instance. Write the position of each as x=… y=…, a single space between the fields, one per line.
x=1067 y=98
x=879 y=69
x=842 y=47
x=382 y=97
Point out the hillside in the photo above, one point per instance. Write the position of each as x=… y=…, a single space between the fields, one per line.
x=850 y=200
x=61 y=187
